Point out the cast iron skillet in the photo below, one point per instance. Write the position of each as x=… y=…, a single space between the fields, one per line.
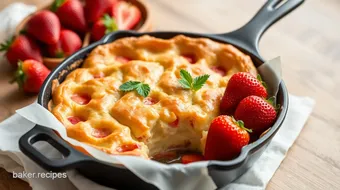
x=222 y=172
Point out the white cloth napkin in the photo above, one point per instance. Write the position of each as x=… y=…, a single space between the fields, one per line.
x=14 y=127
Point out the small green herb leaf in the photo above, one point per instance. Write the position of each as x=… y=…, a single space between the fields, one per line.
x=129 y=86
x=199 y=82
x=186 y=76
x=187 y=82
x=141 y=88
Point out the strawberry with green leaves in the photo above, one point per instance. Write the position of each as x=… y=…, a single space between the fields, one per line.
x=31 y=75
x=103 y=26
x=257 y=113
x=68 y=43
x=126 y=14
x=225 y=138
x=70 y=14
x=241 y=85
x=21 y=48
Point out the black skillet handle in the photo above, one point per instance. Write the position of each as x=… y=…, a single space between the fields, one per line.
x=71 y=158
x=251 y=33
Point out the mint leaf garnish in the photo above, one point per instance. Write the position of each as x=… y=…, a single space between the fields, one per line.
x=187 y=82
x=141 y=88
x=199 y=81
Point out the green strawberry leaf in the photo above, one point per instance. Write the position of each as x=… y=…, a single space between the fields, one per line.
x=240 y=123
x=7 y=44
x=264 y=84
x=272 y=101
x=56 y=4
x=19 y=76
x=60 y=54
x=109 y=23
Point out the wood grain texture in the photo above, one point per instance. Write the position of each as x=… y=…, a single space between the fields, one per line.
x=308 y=42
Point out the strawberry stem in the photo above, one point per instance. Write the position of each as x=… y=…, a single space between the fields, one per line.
x=7 y=44
x=272 y=101
x=264 y=84
x=60 y=54
x=109 y=23
x=240 y=123
x=19 y=76
x=56 y=4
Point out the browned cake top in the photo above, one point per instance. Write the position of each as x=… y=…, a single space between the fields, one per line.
x=94 y=110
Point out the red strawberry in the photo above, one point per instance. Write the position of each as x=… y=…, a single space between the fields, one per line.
x=31 y=75
x=256 y=113
x=69 y=42
x=225 y=138
x=189 y=158
x=95 y=9
x=103 y=26
x=126 y=14
x=21 y=48
x=241 y=85
x=44 y=26
x=71 y=14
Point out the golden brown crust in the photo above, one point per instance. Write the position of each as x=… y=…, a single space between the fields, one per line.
x=124 y=122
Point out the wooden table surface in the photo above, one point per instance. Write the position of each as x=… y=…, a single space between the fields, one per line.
x=308 y=41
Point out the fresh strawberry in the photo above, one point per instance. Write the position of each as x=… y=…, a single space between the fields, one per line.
x=189 y=158
x=31 y=75
x=68 y=43
x=126 y=14
x=21 y=48
x=257 y=113
x=95 y=9
x=71 y=14
x=241 y=85
x=103 y=26
x=225 y=138
x=44 y=26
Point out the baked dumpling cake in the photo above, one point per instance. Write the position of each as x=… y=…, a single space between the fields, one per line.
x=95 y=111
